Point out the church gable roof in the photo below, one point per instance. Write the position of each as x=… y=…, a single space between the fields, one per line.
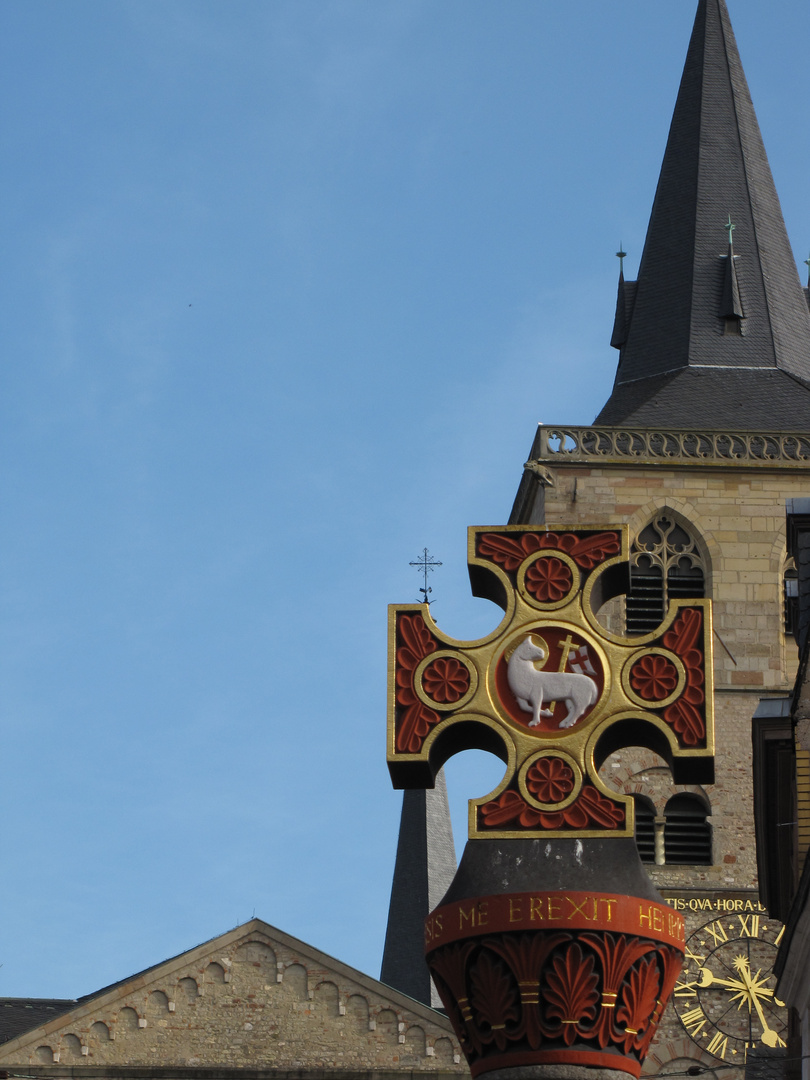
x=252 y=998
x=693 y=308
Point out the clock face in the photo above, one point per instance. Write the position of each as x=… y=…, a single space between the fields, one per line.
x=725 y=996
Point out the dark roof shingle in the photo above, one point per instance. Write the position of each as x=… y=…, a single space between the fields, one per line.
x=21 y=1014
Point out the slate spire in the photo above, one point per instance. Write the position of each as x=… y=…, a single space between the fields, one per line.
x=425 y=866
x=718 y=334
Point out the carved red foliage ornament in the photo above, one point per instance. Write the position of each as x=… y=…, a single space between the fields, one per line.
x=415 y=719
x=586 y=551
x=534 y=979
x=492 y=997
x=686 y=715
x=570 y=994
x=592 y=810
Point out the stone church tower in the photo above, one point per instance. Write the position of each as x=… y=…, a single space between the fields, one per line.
x=705 y=435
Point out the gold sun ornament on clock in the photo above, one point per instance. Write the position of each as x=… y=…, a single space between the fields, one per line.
x=725 y=997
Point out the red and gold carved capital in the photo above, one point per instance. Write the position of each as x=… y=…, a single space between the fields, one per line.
x=541 y=978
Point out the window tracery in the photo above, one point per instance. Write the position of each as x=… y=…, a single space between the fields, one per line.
x=665 y=564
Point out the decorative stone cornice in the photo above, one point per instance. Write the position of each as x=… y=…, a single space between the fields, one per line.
x=667 y=446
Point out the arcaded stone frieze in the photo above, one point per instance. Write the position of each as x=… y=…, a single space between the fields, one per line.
x=737 y=449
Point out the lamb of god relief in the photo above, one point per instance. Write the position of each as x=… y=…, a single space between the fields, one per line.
x=551 y=690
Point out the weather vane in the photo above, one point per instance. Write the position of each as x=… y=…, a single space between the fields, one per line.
x=426 y=565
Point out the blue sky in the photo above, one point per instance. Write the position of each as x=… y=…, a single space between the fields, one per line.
x=286 y=287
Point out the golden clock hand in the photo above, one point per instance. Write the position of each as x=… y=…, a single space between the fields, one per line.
x=708 y=978
x=769 y=1036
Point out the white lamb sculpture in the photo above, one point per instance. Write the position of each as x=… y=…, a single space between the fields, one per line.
x=532 y=687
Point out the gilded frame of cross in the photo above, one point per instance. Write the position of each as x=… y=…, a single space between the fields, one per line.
x=551 y=690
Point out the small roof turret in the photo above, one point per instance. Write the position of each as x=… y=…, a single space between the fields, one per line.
x=723 y=321
x=622 y=318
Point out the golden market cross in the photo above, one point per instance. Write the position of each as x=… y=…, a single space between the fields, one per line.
x=551 y=691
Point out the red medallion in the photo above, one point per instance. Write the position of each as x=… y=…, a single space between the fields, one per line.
x=653 y=677
x=549 y=580
x=567 y=653
x=446 y=680
x=550 y=780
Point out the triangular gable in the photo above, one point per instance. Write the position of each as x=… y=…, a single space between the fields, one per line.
x=253 y=998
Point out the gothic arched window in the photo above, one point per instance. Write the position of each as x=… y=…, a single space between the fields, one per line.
x=665 y=564
x=687 y=833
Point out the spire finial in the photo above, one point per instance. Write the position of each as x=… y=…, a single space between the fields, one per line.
x=729 y=227
x=807 y=264
x=621 y=255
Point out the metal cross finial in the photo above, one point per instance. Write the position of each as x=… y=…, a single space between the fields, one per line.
x=729 y=227
x=621 y=255
x=426 y=565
